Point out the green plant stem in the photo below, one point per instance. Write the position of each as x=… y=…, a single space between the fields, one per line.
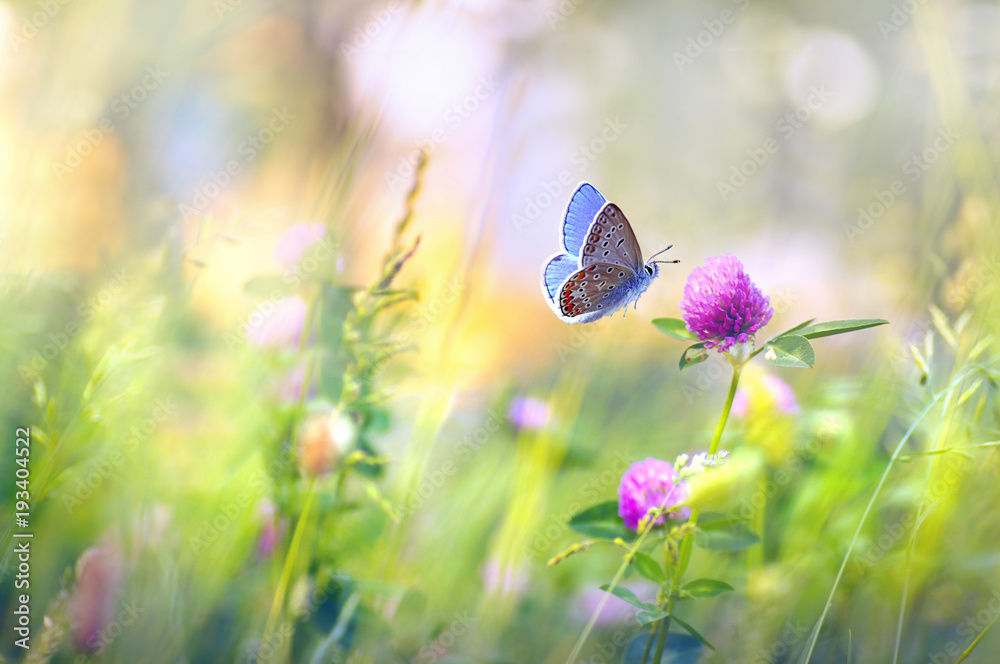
x=916 y=526
x=688 y=542
x=578 y=646
x=968 y=651
x=649 y=645
x=286 y=571
x=661 y=643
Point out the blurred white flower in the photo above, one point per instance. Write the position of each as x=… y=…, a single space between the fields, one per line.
x=422 y=69
x=835 y=62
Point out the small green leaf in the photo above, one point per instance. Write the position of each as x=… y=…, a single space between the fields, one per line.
x=601 y=520
x=675 y=328
x=649 y=568
x=840 y=327
x=726 y=537
x=693 y=632
x=646 y=617
x=692 y=355
x=792 y=330
x=791 y=351
x=706 y=587
x=628 y=596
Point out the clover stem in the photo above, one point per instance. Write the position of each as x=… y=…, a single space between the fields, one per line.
x=649 y=645
x=688 y=541
x=662 y=640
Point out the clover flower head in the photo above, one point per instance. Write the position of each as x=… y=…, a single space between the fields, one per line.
x=650 y=485
x=722 y=305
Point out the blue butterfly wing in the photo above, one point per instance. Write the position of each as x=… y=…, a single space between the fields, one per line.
x=556 y=271
x=583 y=206
x=595 y=291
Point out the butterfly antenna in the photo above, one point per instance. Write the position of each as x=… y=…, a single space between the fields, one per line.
x=660 y=252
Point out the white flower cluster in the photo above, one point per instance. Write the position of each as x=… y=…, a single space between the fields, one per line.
x=690 y=466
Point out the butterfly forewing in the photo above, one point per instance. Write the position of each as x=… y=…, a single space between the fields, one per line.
x=583 y=207
x=595 y=288
x=610 y=240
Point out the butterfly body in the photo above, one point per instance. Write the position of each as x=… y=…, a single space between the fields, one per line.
x=602 y=269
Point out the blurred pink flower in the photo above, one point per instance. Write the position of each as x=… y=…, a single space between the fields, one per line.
x=615 y=611
x=277 y=325
x=271 y=531
x=95 y=595
x=291 y=389
x=295 y=242
x=529 y=413
x=781 y=396
x=506 y=579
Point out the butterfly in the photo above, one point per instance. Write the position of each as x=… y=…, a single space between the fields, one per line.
x=601 y=270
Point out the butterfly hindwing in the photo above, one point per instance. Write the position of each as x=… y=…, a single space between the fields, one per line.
x=583 y=207
x=610 y=240
x=595 y=290
x=557 y=269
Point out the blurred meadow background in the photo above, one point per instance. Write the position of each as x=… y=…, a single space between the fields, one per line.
x=221 y=221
